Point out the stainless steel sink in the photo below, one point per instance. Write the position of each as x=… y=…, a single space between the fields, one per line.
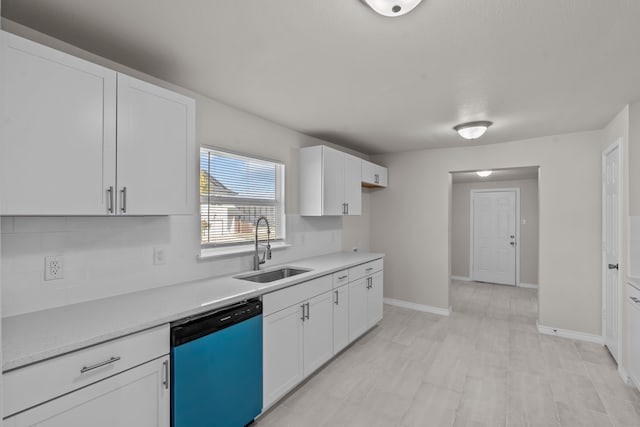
x=273 y=275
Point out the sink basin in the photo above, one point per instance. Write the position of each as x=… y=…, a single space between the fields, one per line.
x=273 y=275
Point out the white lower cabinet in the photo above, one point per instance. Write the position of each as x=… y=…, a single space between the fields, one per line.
x=365 y=304
x=118 y=383
x=306 y=324
x=138 y=397
x=297 y=341
x=357 y=308
x=633 y=334
x=374 y=299
x=318 y=332
x=340 y=318
x=282 y=353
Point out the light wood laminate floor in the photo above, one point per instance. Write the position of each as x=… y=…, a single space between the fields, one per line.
x=485 y=365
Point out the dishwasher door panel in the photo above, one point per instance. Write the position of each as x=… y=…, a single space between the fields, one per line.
x=217 y=379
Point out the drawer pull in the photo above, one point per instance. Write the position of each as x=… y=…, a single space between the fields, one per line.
x=369 y=269
x=634 y=299
x=165 y=380
x=342 y=277
x=98 y=365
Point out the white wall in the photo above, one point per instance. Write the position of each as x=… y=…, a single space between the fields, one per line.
x=108 y=256
x=410 y=222
x=460 y=217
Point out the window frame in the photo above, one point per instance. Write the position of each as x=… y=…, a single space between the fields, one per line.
x=241 y=246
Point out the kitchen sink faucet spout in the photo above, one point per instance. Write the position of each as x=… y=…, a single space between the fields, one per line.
x=267 y=253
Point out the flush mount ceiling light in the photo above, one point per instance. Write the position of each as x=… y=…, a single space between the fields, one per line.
x=472 y=130
x=484 y=174
x=392 y=7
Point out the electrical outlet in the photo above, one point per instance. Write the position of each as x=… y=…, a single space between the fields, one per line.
x=53 y=267
x=159 y=256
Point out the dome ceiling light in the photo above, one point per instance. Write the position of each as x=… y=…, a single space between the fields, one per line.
x=392 y=7
x=472 y=130
x=484 y=174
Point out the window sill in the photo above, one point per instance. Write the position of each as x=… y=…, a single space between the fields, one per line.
x=208 y=254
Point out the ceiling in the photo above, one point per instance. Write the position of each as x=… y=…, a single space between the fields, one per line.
x=336 y=70
x=497 y=175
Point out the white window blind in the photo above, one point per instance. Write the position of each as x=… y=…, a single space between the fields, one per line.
x=234 y=192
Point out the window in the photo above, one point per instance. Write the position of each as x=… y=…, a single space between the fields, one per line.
x=234 y=192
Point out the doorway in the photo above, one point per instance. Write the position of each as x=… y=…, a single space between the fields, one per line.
x=525 y=223
x=495 y=232
x=611 y=247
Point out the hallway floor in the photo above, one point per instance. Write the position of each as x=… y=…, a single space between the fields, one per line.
x=485 y=365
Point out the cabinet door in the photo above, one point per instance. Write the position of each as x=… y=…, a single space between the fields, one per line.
x=282 y=353
x=374 y=300
x=137 y=397
x=352 y=184
x=333 y=181
x=156 y=150
x=340 y=318
x=58 y=131
x=368 y=172
x=382 y=176
x=357 y=308
x=318 y=332
x=633 y=316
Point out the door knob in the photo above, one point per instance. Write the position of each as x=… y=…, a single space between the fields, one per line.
x=613 y=266
x=512 y=243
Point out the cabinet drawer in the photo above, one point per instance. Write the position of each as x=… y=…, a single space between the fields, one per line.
x=340 y=278
x=37 y=383
x=364 y=269
x=286 y=297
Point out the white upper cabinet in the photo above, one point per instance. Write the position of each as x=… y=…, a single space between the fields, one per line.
x=156 y=149
x=329 y=182
x=64 y=120
x=58 y=135
x=373 y=175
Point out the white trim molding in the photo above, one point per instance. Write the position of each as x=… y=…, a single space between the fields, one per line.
x=575 y=335
x=418 y=307
x=528 y=285
x=461 y=278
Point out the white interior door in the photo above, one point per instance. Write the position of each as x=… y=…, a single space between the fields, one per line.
x=611 y=248
x=494 y=237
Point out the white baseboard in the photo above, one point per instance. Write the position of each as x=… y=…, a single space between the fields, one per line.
x=528 y=285
x=418 y=307
x=461 y=278
x=566 y=333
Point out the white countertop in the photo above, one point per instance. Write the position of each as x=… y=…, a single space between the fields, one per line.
x=32 y=337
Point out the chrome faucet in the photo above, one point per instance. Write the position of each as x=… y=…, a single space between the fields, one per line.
x=267 y=253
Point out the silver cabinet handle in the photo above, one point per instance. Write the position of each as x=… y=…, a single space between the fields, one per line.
x=347 y=208
x=377 y=178
x=342 y=277
x=302 y=318
x=98 y=365
x=110 y=199
x=344 y=209
x=634 y=299
x=308 y=311
x=165 y=380
x=337 y=301
x=123 y=206
x=369 y=269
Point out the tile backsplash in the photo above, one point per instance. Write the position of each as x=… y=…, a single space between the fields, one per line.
x=106 y=256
